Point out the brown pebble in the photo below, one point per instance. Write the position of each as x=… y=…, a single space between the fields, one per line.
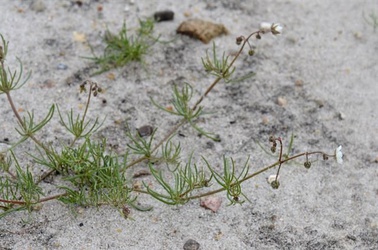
x=201 y=30
x=298 y=83
x=111 y=76
x=48 y=83
x=281 y=101
x=187 y=14
x=265 y=120
x=145 y=130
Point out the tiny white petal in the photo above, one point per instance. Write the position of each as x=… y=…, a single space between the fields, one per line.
x=265 y=27
x=272 y=178
x=276 y=28
x=339 y=155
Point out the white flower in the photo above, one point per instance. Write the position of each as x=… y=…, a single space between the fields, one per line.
x=272 y=178
x=265 y=27
x=276 y=28
x=339 y=155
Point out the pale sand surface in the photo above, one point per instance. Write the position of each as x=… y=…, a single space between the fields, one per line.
x=325 y=44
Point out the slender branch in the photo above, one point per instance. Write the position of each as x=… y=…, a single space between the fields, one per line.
x=256 y=173
x=15 y=112
x=227 y=69
x=40 y=201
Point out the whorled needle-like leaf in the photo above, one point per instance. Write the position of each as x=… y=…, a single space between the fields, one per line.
x=218 y=67
x=139 y=144
x=28 y=128
x=78 y=127
x=229 y=179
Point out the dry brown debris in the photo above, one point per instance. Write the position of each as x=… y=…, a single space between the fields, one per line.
x=201 y=30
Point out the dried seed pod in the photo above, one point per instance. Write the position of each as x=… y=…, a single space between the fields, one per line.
x=141 y=174
x=1 y=54
x=275 y=184
x=202 y=30
x=307 y=164
x=126 y=211
x=239 y=40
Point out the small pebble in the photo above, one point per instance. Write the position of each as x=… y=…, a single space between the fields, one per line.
x=38 y=6
x=166 y=15
x=111 y=76
x=358 y=35
x=78 y=3
x=62 y=66
x=342 y=116
x=298 y=83
x=281 y=101
x=376 y=160
x=191 y=245
x=211 y=202
x=209 y=144
x=48 y=83
x=187 y=14
x=145 y=130
x=351 y=237
x=265 y=120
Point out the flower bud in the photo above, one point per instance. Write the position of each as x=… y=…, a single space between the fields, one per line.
x=239 y=40
x=251 y=52
x=82 y=88
x=265 y=27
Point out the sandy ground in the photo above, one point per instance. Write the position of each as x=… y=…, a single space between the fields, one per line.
x=326 y=45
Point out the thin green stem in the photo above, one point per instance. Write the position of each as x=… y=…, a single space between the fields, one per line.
x=15 y=112
x=280 y=157
x=280 y=162
x=195 y=106
x=16 y=202
x=166 y=137
x=227 y=69
x=85 y=112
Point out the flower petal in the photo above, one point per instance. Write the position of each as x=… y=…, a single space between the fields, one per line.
x=339 y=155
